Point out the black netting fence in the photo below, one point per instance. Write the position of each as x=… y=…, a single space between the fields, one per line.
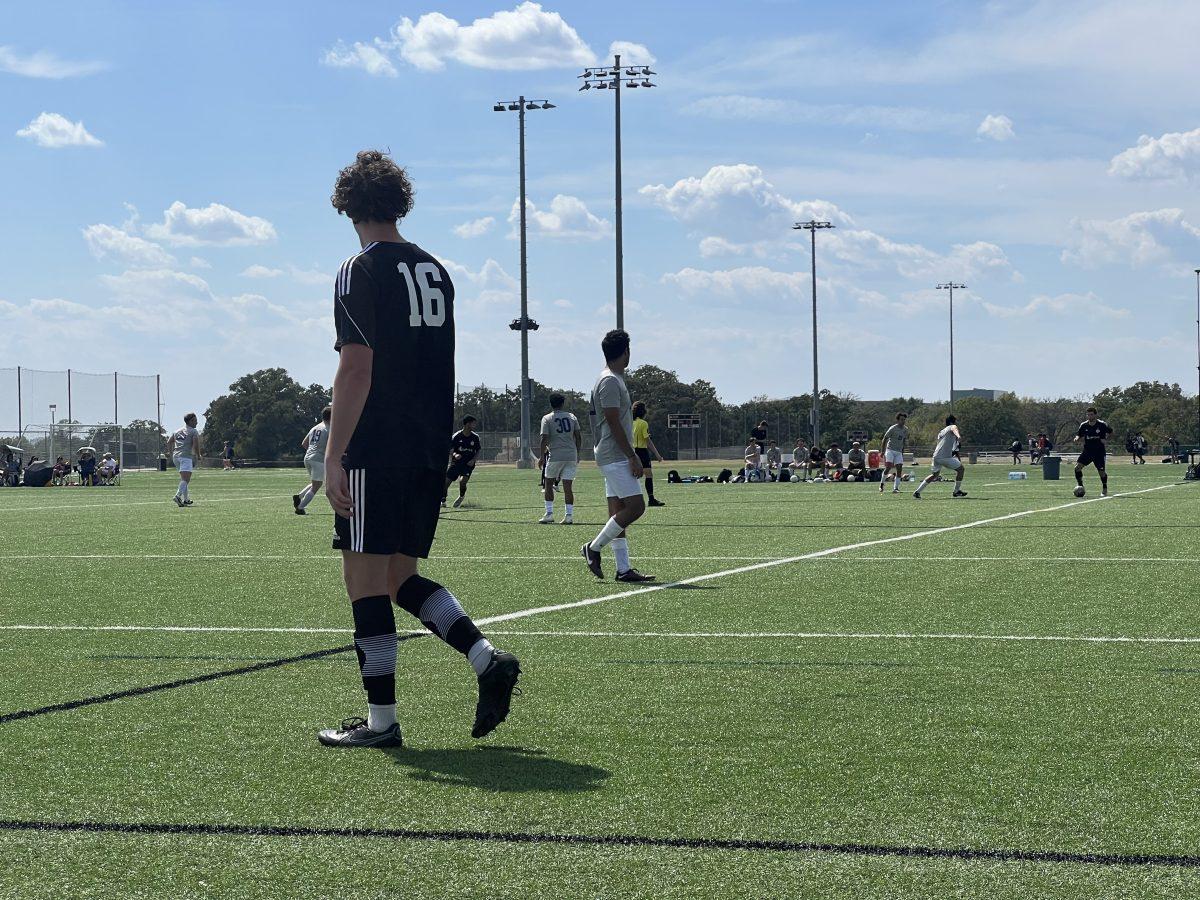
x=36 y=397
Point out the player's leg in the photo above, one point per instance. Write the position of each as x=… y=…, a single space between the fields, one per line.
x=934 y=475
x=569 y=496
x=958 y=479
x=1079 y=464
x=1103 y=471
x=899 y=471
x=625 y=506
x=548 y=471
x=366 y=577
x=462 y=488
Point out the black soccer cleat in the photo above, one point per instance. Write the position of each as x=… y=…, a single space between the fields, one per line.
x=295 y=501
x=188 y=503
x=353 y=732
x=592 y=558
x=959 y=494
x=654 y=502
x=496 y=687
x=633 y=576
x=300 y=512
x=178 y=501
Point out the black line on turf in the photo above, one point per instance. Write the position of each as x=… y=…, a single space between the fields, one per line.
x=618 y=840
x=183 y=682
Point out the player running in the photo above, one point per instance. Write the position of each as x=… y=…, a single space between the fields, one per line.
x=314 y=461
x=643 y=447
x=944 y=456
x=611 y=420
x=386 y=448
x=1092 y=431
x=464 y=450
x=893 y=442
x=184 y=447
x=561 y=440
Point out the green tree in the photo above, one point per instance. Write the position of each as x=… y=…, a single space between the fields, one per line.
x=265 y=414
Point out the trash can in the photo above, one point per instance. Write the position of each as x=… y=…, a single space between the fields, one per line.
x=973 y=456
x=162 y=462
x=1050 y=466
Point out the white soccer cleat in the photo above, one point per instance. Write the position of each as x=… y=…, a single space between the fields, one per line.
x=547 y=519
x=568 y=520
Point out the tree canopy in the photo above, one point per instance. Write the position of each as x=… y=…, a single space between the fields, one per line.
x=265 y=414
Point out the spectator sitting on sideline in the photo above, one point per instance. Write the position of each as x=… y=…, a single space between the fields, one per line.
x=856 y=461
x=833 y=458
x=61 y=471
x=816 y=460
x=800 y=458
x=774 y=461
x=108 y=469
x=753 y=458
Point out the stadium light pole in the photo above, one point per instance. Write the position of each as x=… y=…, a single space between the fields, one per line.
x=812 y=227
x=950 y=286
x=1198 y=358
x=611 y=78
x=523 y=324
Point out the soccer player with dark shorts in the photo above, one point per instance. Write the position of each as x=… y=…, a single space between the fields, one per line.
x=464 y=451
x=1092 y=431
x=386 y=449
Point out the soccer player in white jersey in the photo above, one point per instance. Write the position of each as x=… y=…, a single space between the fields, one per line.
x=611 y=415
x=948 y=440
x=561 y=440
x=894 y=440
x=314 y=461
x=184 y=447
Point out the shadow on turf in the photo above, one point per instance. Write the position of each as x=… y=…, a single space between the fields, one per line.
x=498 y=768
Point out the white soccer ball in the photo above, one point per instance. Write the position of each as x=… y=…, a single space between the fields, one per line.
x=851 y=478
x=795 y=479
x=1079 y=491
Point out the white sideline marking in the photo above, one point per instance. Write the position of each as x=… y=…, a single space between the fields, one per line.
x=699 y=635
x=135 y=503
x=696 y=579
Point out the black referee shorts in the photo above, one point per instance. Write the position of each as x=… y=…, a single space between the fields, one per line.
x=460 y=469
x=1091 y=457
x=395 y=511
x=643 y=454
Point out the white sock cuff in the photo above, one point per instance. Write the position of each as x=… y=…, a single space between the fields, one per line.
x=480 y=655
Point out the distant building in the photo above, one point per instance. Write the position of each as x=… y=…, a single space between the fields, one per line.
x=981 y=393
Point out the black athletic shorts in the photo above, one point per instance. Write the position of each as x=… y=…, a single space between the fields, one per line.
x=1091 y=457
x=460 y=469
x=643 y=454
x=395 y=511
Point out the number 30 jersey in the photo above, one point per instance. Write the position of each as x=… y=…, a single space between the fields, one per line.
x=560 y=426
x=398 y=300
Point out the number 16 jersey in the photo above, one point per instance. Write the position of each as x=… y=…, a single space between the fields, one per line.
x=398 y=300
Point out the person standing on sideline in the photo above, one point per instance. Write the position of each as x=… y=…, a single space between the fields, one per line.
x=893 y=442
x=643 y=447
x=944 y=457
x=393 y=313
x=227 y=455
x=314 y=461
x=611 y=418
x=561 y=440
x=759 y=434
x=184 y=447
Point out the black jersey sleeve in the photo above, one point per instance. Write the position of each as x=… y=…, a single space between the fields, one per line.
x=355 y=296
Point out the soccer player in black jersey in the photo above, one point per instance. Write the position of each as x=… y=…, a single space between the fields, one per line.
x=1092 y=431
x=464 y=452
x=394 y=315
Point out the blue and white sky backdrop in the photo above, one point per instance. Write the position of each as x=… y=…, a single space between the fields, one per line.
x=166 y=171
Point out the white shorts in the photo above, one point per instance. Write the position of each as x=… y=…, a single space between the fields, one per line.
x=564 y=469
x=619 y=481
x=182 y=463
x=950 y=462
x=316 y=468
x=893 y=457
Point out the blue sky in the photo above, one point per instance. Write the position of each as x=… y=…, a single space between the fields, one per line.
x=166 y=172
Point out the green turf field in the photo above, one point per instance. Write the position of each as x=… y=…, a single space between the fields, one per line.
x=1002 y=706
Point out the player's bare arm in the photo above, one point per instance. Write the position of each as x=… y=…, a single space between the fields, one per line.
x=654 y=450
x=612 y=416
x=351 y=385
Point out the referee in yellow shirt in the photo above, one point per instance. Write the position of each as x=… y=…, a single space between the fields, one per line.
x=643 y=447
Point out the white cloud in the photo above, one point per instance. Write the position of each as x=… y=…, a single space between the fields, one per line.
x=475 y=228
x=53 y=130
x=371 y=58
x=257 y=271
x=108 y=241
x=740 y=282
x=215 y=225
x=197 y=262
x=1139 y=239
x=563 y=304
x=43 y=64
x=998 y=128
x=738 y=107
x=1175 y=154
x=632 y=54
x=1074 y=304
x=526 y=37
x=567 y=217
x=490 y=285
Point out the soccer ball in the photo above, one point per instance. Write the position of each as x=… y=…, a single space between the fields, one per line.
x=1079 y=491
x=795 y=479
x=851 y=478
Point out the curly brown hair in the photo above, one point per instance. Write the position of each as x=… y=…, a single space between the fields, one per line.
x=373 y=189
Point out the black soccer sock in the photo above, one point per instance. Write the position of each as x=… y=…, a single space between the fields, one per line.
x=440 y=612
x=650 y=487
x=1104 y=478
x=1079 y=476
x=462 y=489
x=375 y=644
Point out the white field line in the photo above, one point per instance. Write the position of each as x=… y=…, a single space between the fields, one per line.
x=697 y=579
x=696 y=635
x=166 y=502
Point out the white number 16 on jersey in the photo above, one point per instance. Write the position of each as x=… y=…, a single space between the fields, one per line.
x=430 y=307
